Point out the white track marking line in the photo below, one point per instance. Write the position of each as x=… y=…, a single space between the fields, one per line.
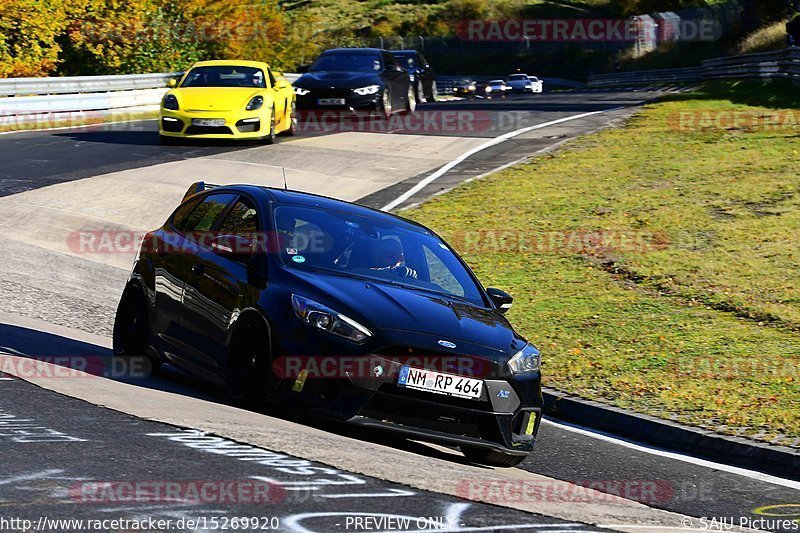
x=599 y=435
x=83 y=127
x=488 y=144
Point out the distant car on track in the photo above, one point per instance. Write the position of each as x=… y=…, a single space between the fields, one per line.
x=261 y=290
x=520 y=83
x=493 y=89
x=464 y=87
x=356 y=79
x=538 y=85
x=421 y=72
x=228 y=100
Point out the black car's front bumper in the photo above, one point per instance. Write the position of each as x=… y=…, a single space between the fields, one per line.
x=352 y=101
x=505 y=418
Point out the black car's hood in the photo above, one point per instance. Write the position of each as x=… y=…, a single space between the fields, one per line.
x=384 y=307
x=342 y=80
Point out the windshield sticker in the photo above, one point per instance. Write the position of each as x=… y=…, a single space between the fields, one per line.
x=298 y=259
x=291 y=251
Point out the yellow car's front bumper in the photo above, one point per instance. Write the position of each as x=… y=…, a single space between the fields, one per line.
x=227 y=125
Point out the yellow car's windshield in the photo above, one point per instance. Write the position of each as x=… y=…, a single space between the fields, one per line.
x=225 y=77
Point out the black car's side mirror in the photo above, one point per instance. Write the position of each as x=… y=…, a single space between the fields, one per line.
x=233 y=247
x=501 y=299
x=302 y=69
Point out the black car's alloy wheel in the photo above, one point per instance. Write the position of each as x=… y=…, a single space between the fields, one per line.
x=411 y=102
x=386 y=104
x=247 y=376
x=491 y=457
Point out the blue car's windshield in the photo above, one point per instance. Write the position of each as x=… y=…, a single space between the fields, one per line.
x=346 y=62
x=373 y=248
x=225 y=77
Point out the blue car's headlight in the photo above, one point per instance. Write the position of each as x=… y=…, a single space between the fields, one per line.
x=527 y=361
x=321 y=317
x=369 y=89
x=299 y=91
x=170 y=102
x=255 y=103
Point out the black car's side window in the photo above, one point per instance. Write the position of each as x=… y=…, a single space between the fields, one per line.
x=203 y=217
x=389 y=61
x=182 y=214
x=241 y=220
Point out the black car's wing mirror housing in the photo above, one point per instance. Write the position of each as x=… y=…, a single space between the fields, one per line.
x=501 y=299
x=302 y=69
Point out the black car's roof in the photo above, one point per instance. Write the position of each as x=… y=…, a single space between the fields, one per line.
x=404 y=52
x=365 y=51
x=305 y=199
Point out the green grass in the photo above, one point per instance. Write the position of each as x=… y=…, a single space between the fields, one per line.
x=696 y=316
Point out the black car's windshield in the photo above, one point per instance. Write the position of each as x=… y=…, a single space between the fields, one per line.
x=371 y=248
x=346 y=62
x=406 y=60
x=518 y=77
x=225 y=77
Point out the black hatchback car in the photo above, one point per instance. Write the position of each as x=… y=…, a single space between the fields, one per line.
x=356 y=79
x=334 y=309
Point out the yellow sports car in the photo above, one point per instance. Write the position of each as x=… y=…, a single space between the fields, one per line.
x=228 y=100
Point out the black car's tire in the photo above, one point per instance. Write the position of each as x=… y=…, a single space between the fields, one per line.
x=131 y=335
x=419 y=91
x=270 y=138
x=247 y=373
x=491 y=457
x=292 y=122
x=386 y=103
x=411 y=100
x=434 y=91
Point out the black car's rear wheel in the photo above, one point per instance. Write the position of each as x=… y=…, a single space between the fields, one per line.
x=434 y=92
x=491 y=457
x=131 y=335
x=247 y=373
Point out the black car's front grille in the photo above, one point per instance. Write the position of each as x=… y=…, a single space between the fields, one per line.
x=208 y=130
x=329 y=93
x=434 y=417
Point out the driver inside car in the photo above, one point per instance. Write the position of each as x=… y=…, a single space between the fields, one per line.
x=387 y=256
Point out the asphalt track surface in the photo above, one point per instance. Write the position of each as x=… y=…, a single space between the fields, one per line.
x=40 y=477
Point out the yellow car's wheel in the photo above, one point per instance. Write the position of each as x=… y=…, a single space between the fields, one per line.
x=270 y=138
x=291 y=119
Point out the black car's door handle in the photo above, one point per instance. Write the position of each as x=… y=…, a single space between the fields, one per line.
x=198 y=269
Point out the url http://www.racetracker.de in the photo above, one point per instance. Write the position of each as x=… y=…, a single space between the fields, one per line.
x=201 y=523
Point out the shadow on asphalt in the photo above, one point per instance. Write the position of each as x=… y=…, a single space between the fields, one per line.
x=70 y=353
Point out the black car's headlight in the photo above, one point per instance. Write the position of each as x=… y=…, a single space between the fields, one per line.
x=170 y=102
x=369 y=89
x=317 y=315
x=525 y=362
x=299 y=91
x=255 y=103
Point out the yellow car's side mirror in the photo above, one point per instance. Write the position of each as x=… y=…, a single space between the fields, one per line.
x=172 y=83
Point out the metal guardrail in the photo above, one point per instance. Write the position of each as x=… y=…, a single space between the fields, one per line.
x=21 y=97
x=779 y=64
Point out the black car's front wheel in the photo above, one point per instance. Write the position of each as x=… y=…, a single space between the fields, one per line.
x=247 y=374
x=386 y=103
x=411 y=101
x=491 y=457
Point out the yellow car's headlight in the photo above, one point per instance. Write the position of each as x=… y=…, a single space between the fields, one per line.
x=255 y=103
x=170 y=102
